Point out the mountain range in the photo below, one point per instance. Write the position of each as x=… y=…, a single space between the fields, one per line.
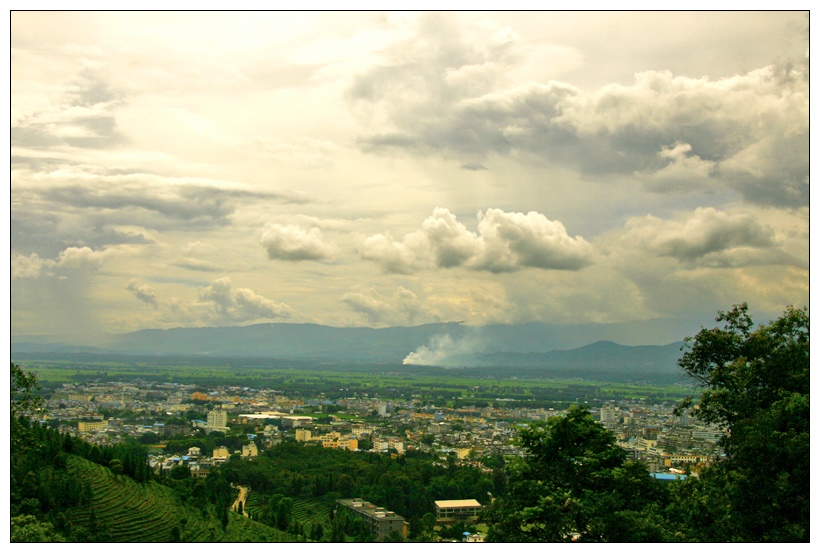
x=589 y=348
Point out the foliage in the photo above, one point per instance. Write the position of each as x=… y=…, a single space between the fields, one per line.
x=26 y=528
x=756 y=384
x=23 y=401
x=575 y=484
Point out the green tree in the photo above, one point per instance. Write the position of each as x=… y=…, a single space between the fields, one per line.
x=575 y=483
x=755 y=383
x=283 y=513
x=26 y=528
x=180 y=472
x=116 y=466
x=23 y=401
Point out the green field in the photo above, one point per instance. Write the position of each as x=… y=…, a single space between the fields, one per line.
x=455 y=388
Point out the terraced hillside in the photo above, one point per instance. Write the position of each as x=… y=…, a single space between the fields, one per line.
x=312 y=511
x=150 y=512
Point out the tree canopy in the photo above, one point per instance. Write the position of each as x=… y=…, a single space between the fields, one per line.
x=23 y=400
x=576 y=484
x=755 y=383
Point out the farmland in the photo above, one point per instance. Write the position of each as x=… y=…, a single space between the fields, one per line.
x=453 y=387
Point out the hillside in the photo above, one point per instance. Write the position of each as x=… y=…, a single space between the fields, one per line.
x=149 y=512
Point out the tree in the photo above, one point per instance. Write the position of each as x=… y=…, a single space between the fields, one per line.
x=26 y=528
x=23 y=401
x=116 y=466
x=575 y=484
x=755 y=383
x=180 y=472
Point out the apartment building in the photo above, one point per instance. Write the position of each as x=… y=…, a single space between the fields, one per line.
x=381 y=521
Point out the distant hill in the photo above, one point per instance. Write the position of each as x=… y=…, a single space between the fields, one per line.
x=585 y=351
x=392 y=344
x=600 y=355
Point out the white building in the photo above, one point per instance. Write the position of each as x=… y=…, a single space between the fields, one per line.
x=218 y=420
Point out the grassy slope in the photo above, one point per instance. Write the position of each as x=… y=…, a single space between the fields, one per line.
x=148 y=512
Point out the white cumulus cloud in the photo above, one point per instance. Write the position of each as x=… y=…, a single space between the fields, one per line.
x=293 y=243
x=505 y=242
x=230 y=304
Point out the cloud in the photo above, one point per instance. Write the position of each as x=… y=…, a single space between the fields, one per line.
x=292 y=243
x=74 y=257
x=142 y=292
x=132 y=197
x=402 y=309
x=438 y=94
x=83 y=117
x=708 y=237
x=83 y=257
x=515 y=240
x=505 y=242
x=228 y=304
x=375 y=309
x=28 y=266
x=391 y=256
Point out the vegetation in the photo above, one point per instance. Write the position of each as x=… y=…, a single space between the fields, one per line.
x=576 y=484
x=573 y=484
x=755 y=383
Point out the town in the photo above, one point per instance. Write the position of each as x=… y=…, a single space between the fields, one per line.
x=255 y=419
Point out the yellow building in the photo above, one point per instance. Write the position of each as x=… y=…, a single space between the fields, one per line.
x=303 y=435
x=92 y=426
x=250 y=450
x=454 y=510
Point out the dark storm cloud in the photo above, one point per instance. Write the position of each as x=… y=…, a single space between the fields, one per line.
x=747 y=133
x=184 y=204
x=129 y=201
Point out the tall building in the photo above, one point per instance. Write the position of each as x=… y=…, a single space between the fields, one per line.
x=217 y=418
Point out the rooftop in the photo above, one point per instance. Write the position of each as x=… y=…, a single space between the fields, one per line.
x=455 y=503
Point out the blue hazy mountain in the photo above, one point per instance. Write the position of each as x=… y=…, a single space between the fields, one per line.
x=608 y=346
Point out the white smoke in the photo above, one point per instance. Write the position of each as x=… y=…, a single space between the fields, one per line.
x=443 y=351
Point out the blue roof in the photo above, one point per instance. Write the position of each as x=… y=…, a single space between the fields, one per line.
x=667 y=476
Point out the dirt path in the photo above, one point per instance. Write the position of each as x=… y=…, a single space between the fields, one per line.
x=243 y=493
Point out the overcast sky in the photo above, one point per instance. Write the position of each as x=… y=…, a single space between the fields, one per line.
x=379 y=169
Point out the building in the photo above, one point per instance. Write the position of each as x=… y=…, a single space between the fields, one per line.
x=382 y=522
x=609 y=414
x=220 y=454
x=217 y=419
x=92 y=426
x=250 y=450
x=456 y=510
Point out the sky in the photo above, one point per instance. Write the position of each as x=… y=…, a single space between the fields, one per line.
x=187 y=169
